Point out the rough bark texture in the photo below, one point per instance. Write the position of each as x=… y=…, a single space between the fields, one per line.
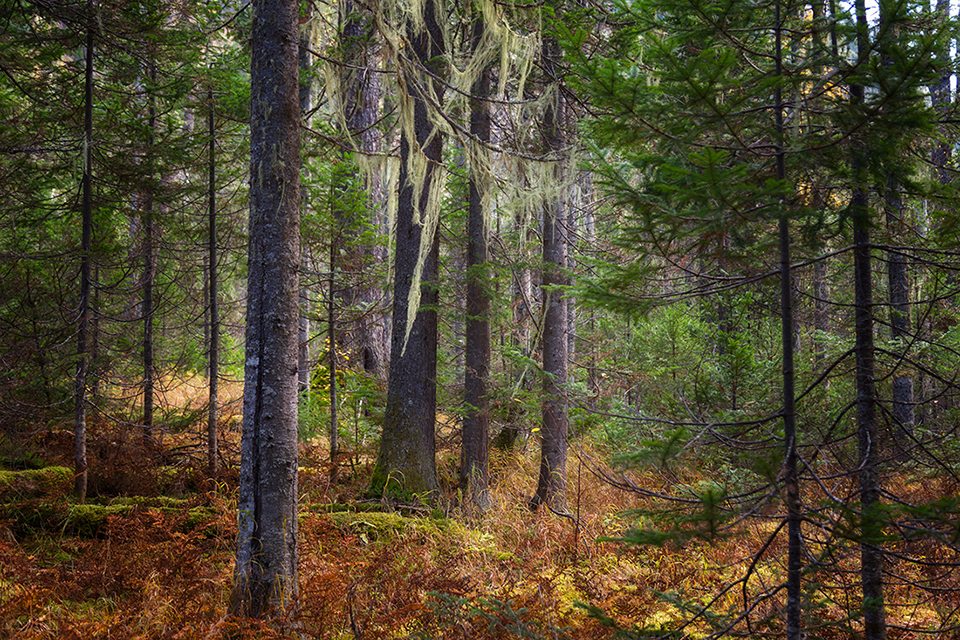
x=406 y=464
x=265 y=578
x=474 y=470
x=871 y=555
x=360 y=88
x=552 y=483
x=213 y=354
x=83 y=321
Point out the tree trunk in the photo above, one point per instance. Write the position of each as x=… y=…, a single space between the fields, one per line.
x=899 y=290
x=821 y=315
x=474 y=470
x=406 y=464
x=213 y=353
x=788 y=333
x=265 y=577
x=332 y=359
x=303 y=353
x=149 y=264
x=552 y=483
x=871 y=565
x=867 y=432
x=83 y=321
x=366 y=338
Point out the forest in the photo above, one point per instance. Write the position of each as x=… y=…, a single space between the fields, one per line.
x=491 y=319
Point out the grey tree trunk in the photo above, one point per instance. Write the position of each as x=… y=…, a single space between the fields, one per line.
x=940 y=156
x=366 y=338
x=871 y=554
x=552 y=483
x=83 y=320
x=303 y=352
x=474 y=469
x=213 y=349
x=821 y=314
x=871 y=533
x=522 y=314
x=899 y=291
x=788 y=332
x=406 y=464
x=265 y=577
x=332 y=359
x=149 y=265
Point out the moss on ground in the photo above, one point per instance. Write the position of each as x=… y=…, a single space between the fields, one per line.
x=35 y=483
x=90 y=520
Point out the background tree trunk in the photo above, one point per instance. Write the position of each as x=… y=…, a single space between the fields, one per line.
x=303 y=352
x=552 y=483
x=474 y=471
x=871 y=565
x=366 y=338
x=149 y=261
x=266 y=567
x=213 y=350
x=83 y=321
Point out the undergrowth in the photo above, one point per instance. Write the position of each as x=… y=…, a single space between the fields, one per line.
x=368 y=571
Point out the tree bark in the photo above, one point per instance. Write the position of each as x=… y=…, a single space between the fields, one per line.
x=791 y=479
x=366 y=338
x=474 y=470
x=149 y=263
x=552 y=483
x=899 y=292
x=265 y=577
x=406 y=464
x=83 y=321
x=871 y=556
x=213 y=351
x=303 y=352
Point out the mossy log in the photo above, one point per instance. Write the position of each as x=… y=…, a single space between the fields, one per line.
x=31 y=484
x=90 y=520
x=373 y=525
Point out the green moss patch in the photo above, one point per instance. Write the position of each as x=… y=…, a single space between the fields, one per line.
x=35 y=483
x=90 y=520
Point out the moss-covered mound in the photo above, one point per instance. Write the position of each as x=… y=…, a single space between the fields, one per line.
x=31 y=484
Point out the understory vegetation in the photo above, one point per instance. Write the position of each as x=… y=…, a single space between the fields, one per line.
x=151 y=553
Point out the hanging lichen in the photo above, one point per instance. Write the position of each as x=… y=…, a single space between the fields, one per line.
x=510 y=45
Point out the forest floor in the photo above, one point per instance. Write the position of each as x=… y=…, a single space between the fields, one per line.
x=150 y=555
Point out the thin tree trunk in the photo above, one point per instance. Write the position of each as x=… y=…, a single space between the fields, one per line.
x=474 y=471
x=867 y=432
x=265 y=577
x=871 y=564
x=899 y=292
x=149 y=267
x=821 y=315
x=86 y=246
x=303 y=353
x=552 y=483
x=332 y=353
x=213 y=354
x=791 y=480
